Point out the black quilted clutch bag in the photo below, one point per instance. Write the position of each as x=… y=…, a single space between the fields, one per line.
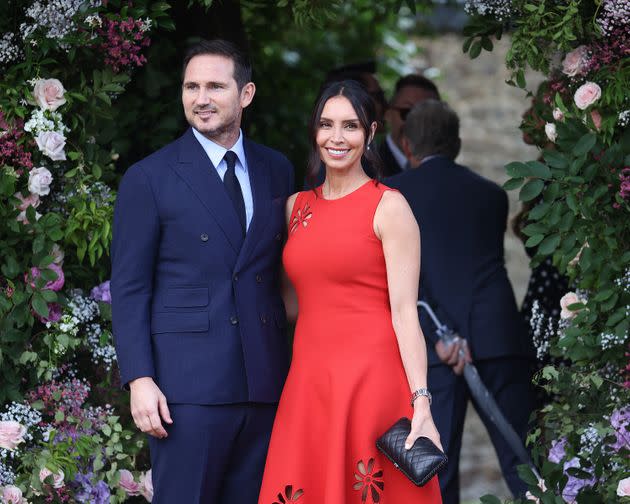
x=421 y=462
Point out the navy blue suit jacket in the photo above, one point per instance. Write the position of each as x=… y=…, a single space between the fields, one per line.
x=195 y=304
x=462 y=218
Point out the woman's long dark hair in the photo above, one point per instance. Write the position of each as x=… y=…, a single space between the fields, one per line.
x=364 y=107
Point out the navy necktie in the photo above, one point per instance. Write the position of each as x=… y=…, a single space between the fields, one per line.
x=233 y=188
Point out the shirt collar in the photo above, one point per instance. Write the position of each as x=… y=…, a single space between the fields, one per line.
x=216 y=152
x=399 y=155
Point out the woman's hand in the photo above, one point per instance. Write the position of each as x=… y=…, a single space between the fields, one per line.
x=422 y=424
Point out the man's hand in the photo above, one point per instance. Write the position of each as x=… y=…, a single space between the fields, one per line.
x=450 y=354
x=148 y=404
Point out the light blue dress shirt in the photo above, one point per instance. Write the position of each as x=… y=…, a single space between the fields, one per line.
x=399 y=155
x=216 y=152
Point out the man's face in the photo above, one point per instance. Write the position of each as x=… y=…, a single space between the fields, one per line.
x=213 y=104
x=400 y=106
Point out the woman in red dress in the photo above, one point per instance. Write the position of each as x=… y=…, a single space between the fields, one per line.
x=353 y=257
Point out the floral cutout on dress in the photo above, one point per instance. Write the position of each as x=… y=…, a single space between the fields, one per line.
x=288 y=495
x=302 y=216
x=369 y=482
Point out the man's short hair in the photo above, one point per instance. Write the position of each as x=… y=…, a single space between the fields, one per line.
x=418 y=81
x=432 y=128
x=219 y=47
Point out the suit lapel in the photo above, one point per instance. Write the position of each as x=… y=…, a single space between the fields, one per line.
x=194 y=167
x=258 y=171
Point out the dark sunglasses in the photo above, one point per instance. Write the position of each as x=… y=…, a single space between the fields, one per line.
x=402 y=111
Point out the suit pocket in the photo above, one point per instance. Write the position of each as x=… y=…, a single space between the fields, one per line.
x=186 y=297
x=179 y=322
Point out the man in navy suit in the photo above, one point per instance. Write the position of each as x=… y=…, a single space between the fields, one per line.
x=197 y=313
x=462 y=219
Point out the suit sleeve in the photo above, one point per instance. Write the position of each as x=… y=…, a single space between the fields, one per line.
x=291 y=178
x=136 y=234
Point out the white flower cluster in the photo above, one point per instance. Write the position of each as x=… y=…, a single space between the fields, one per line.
x=45 y=120
x=94 y=21
x=9 y=50
x=589 y=440
x=501 y=10
x=83 y=309
x=7 y=476
x=613 y=14
x=99 y=342
x=610 y=340
x=145 y=24
x=624 y=281
x=624 y=118
x=543 y=329
x=53 y=17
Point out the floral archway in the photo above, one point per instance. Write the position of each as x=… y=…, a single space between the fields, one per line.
x=64 y=432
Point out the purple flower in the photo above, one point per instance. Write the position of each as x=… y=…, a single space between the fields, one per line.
x=620 y=422
x=94 y=494
x=557 y=451
x=574 y=484
x=102 y=293
x=54 y=313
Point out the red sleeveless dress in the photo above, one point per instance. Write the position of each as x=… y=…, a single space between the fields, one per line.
x=346 y=385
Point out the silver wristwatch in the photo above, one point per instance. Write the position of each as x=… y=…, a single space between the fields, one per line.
x=421 y=392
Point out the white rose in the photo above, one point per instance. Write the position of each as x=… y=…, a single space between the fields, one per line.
x=57 y=478
x=550 y=130
x=39 y=181
x=586 y=95
x=12 y=495
x=57 y=254
x=51 y=143
x=557 y=114
x=49 y=94
x=623 y=488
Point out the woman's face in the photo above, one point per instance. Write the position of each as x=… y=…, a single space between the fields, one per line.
x=340 y=136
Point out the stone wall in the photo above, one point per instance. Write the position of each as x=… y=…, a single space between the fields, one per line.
x=490 y=113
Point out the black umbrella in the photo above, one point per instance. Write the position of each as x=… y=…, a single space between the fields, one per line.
x=481 y=394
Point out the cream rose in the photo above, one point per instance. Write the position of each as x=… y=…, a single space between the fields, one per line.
x=12 y=495
x=586 y=95
x=57 y=254
x=11 y=434
x=567 y=300
x=575 y=61
x=597 y=119
x=25 y=202
x=49 y=93
x=623 y=488
x=52 y=143
x=557 y=114
x=550 y=131
x=57 y=478
x=146 y=483
x=39 y=181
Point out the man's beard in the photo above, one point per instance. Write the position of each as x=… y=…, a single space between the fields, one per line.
x=217 y=131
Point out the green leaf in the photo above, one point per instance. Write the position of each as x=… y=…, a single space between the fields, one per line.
x=531 y=190
x=537 y=169
x=527 y=475
x=490 y=499
x=555 y=159
x=486 y=43
x=517 y=169
x=520 y=79
x=475 y=49
x=59 y=416
x=585 y=144
x=539 y=211
x=49 y=296
x=534 y=240
x=39 y=305
x=549 y=244
x=513 y=183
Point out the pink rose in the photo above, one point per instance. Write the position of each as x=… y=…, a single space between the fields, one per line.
x=597 y=119
x=558 y=115
x=53 y=285
x=567 y=300
x=39 y=181
x=57 y=478
x=54 y=314
x=51 y=143
x=26 y=201
x=49 y=94
x=12 y=495
x=575 y=61
x=146 y=483
x=11 y=434
x=128 y=484
x=623 y=488
x=550 y=131
x=586 y=95
x=57 y=254
x=531 y=497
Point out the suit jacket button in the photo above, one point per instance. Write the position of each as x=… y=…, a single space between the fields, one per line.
x=279 y=236
x=263 y=319
x=235 y=278
x=258 y=279
x=233 y=320
x=204 y=237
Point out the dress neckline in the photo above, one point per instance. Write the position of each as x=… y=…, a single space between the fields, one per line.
x=320 y=192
